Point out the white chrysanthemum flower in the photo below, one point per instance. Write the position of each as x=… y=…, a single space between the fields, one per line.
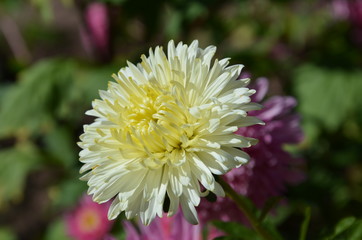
x=163 y=128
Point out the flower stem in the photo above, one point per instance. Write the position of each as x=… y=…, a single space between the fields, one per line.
x=240 y=202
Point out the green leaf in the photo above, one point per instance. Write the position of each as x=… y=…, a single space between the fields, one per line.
x=30 y=103
x=327 y=97
x=348 y=228
x=15 y=164
x=11 y=5
x=45 y=8
x=68 y=193
x=236 y=230
x=83 y=90
x=6 y=234
x=174 y=22
x=271 y=228
x=270 y=204
x=194 y=10
x=305 y=224
x=60 y=144
x=344 y=224
x=57 y=231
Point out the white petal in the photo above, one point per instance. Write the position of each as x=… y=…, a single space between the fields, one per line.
x=189 y=211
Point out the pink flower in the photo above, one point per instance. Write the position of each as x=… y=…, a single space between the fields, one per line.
x=89 y=221
x=340 y=9
x=270 y=168
x=96 y=17
x=348 y=9
x=168 y=228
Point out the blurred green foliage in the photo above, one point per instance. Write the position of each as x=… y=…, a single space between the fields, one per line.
x=348 y=228
x=6 y=234
x=57 y=230
x=302 y=46
x=331 y=93
x=14 y=166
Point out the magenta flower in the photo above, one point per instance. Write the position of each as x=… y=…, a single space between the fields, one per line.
x=89 y=221
x=96 y=18
x=348 y=9
x=270 y=168
x=168 y=228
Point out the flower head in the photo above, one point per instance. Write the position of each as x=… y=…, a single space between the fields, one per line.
x=89 y=220
x=162 y=129
x=270 y=167
x=173 y=228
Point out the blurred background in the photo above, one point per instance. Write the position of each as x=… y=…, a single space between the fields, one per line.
x=56 y=54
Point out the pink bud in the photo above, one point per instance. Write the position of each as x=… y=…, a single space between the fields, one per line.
x=96 y=17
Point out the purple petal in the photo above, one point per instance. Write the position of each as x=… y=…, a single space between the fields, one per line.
x=275 y=107
x=261 y=86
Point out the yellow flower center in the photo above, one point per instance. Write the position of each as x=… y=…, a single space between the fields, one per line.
x=88 y=220
x=157 y=125
x=140 y=112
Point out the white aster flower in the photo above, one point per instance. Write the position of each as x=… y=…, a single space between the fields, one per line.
x=163 y=128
